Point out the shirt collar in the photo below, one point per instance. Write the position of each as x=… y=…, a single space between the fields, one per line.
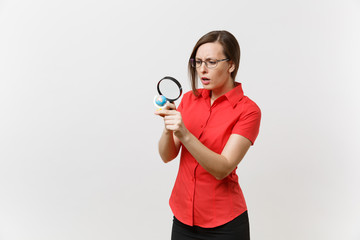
x=233 y=96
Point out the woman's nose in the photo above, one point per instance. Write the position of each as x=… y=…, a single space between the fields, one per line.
x=203 y=67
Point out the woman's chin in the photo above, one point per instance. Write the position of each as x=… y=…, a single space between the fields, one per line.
x=207 y=86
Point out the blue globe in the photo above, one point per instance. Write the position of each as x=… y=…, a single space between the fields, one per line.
x=160 y=100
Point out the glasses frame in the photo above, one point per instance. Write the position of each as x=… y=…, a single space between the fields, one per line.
x=193 y=62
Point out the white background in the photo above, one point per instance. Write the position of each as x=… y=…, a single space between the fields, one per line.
x=78 y=137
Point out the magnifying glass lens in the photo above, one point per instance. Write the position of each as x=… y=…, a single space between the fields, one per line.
x=170 y=88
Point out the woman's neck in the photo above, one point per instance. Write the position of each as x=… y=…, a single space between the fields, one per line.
x=216 y=93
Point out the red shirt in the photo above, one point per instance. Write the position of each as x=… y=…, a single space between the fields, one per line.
x=198 y=198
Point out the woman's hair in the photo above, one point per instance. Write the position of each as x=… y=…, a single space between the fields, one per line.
x=231 y=51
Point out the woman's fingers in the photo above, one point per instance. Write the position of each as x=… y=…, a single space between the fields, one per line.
x=168 y=109
x=170 y=106
x=173 y=121
x=172 y=118
x=164 y=112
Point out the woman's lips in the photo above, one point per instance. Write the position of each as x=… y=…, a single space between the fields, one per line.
x=205 y=80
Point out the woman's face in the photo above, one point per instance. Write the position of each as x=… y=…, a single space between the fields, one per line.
x=217 y=79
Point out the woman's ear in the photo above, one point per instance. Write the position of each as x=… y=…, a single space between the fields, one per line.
x=232 y=67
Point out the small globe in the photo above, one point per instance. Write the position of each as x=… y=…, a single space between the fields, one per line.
x=160 y=100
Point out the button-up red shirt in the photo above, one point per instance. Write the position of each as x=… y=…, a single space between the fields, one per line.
x=198 y=198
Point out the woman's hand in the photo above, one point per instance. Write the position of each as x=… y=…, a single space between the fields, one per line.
x=169 y=144
x=173 y=120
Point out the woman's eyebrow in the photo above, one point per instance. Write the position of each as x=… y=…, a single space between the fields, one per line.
x=209 y=58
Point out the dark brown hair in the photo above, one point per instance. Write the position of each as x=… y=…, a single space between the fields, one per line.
x=231 y=51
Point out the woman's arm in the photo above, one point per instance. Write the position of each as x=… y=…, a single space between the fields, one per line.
x=218 y=165
x=169 y=145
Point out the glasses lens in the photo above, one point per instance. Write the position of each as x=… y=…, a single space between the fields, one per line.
x=198 y=62
x=211 y=63
x=192 y=62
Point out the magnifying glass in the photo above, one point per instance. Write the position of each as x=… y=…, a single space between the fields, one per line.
x=169 y=89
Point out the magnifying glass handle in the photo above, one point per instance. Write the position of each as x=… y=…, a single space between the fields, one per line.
x=172 y=102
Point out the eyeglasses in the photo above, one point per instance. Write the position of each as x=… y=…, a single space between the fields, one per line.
x=209 y=63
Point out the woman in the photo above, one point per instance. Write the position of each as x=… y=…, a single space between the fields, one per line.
x=214 y=126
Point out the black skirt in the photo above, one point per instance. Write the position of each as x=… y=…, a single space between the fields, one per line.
x=237 y=229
